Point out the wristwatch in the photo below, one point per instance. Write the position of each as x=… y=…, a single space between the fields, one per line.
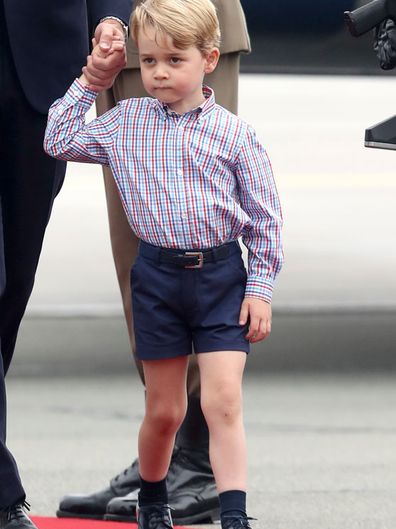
x=125 y=28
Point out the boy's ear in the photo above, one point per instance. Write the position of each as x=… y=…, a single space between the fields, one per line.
x=212 y=58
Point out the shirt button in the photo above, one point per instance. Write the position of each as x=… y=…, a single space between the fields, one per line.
x=180 y=173
x=184 y=216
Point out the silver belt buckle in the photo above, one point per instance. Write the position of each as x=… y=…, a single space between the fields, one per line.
x=200 y=259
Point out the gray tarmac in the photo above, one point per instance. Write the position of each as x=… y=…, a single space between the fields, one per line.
x=321 y=447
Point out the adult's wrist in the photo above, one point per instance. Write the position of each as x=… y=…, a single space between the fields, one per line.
x=118 y=23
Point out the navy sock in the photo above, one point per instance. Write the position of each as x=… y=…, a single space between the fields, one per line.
x=233 y=503
x=152 y=492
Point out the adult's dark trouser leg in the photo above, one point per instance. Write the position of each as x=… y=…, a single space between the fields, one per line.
x=2 y=263
x=11 y=490
x=29 y=182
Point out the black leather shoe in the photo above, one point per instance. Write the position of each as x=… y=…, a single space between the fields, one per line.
x=191 y=491
x=16 y=518
x=156 y=516
x=94 y=505
x=234 y=522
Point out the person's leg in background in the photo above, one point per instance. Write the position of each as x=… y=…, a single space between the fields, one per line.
x=29 y=182
x=191 y=485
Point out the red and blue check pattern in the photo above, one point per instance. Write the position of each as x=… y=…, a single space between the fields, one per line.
x=189 y=181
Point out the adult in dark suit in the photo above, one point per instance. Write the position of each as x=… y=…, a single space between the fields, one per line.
x=43 y=45
x=191 y=486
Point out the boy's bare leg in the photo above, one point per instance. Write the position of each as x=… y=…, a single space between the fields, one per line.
x=221 y=401
x=166 y=406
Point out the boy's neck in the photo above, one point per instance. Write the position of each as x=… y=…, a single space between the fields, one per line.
x=188 y=104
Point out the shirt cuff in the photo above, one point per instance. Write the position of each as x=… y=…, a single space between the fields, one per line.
x=259 y=287
x=79 y=93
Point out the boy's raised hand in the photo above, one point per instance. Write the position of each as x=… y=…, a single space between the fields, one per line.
x=259 y=313
x=104 y=64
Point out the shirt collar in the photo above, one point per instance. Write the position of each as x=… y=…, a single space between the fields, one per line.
x=201 y=111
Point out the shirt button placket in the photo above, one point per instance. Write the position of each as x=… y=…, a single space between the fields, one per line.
x=180 y=174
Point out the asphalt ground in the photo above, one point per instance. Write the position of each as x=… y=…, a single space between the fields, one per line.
x=321 y=448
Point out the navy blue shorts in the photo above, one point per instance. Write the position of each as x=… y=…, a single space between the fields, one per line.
x=175 y=308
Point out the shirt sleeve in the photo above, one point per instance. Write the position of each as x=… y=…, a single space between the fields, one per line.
x=262 y=233
x=69 y=137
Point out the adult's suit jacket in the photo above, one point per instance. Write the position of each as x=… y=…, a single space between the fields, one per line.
x=49 y=41
x=234 y=35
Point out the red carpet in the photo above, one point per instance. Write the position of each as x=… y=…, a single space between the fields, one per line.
x=43 y=522
x=77 y=523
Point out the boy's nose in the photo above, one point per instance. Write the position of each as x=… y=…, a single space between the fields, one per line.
x=161 y=73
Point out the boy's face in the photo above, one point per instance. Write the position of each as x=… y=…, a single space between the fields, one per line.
x=172 y=75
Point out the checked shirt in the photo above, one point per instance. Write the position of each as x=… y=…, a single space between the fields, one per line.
x=190 y=181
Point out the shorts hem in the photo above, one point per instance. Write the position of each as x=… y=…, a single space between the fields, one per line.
x=233 y=346
x=160 y=354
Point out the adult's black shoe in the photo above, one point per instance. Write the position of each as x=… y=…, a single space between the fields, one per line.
x=156 y=516
x=191 y=490
x=94 y=505
x=15 y=517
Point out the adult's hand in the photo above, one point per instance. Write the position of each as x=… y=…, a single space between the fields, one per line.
x=108 y=57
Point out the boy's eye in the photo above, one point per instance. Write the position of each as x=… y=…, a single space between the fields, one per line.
x=175 y=60
x=148 y=60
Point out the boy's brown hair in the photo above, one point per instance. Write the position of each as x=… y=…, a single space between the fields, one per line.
x=187 y=22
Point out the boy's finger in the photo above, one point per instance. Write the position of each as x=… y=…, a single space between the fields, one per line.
x=92 y=79
x=243 y=315
x=258 y=336
x=264 y=330
x=118 y=46
x=95 y=69
x=98 y=52
x=253 y=327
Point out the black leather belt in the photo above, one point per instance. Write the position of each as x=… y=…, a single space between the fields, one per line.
x=194 y=259
x=188 y=258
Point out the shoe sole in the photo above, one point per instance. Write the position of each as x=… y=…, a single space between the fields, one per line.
x=210 y=516
x=67 y=514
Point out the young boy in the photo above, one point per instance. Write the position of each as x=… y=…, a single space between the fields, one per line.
x=193 y=179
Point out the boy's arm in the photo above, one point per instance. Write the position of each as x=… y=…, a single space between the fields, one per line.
x=259 y=199
x=68 y=137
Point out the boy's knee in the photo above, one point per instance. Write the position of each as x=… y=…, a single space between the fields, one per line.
x=166 y=419
x=224 y=407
